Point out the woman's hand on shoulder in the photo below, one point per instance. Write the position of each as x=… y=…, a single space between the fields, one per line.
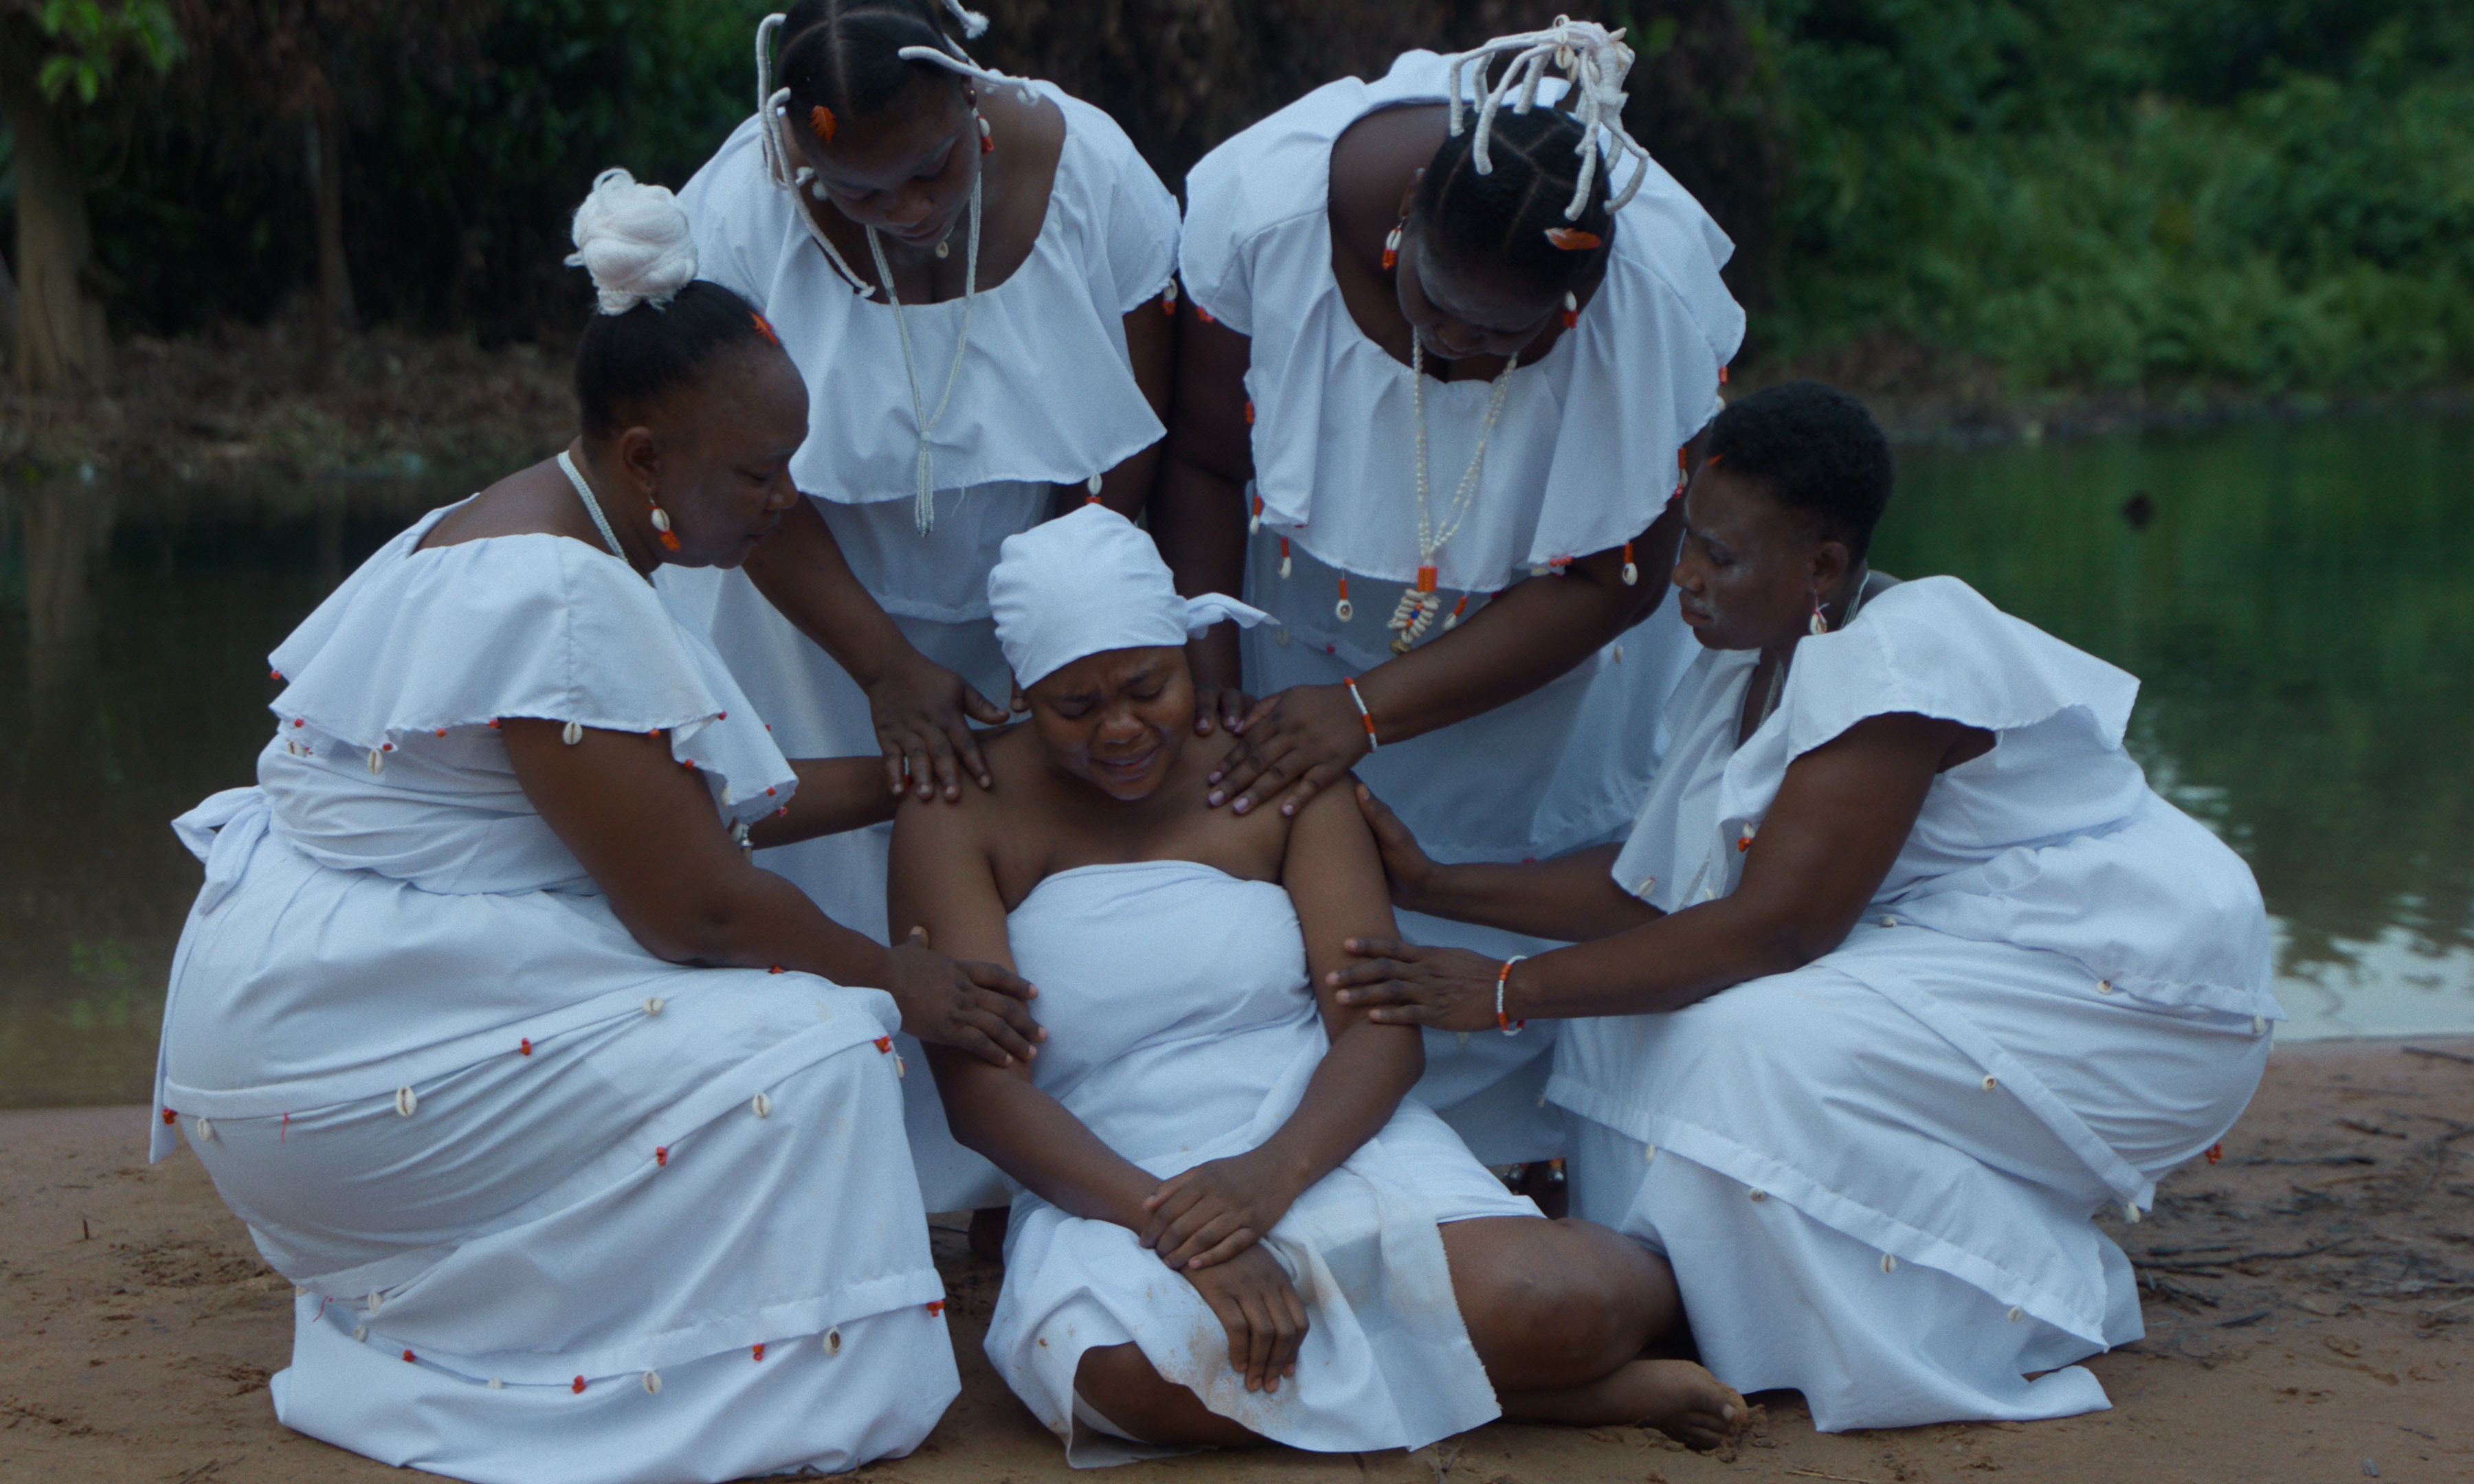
x=1291 y=746
x=1260 y=1309
x=1210 y=1213
x=984 y=1009
x=923 y=713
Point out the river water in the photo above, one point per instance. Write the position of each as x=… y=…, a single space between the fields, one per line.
x=2296 y=600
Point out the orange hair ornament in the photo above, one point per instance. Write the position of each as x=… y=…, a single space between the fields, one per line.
x=820 y=123
x=1571 y=239
x=764 y=329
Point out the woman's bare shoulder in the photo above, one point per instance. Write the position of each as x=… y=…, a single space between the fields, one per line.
x=535 y=501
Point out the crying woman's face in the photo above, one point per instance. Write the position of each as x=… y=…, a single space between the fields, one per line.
x=1117 y=719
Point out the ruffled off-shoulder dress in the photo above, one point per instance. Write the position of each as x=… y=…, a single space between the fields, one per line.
x=1581 y=460
x=556 y=1209
x=1045 y=394
x=1183 y=1030
x=1874 y=1175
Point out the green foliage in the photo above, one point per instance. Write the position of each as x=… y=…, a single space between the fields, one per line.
x=461 y=173
x=96 y=36
x=2167 y=197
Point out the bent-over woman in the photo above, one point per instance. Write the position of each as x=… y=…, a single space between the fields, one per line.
x=1902 y=975
x=968 y=269
x=581 y=1136
x=1455 y=345
x=1236 y=1223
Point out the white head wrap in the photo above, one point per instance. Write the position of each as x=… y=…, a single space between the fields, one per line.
x=634 y=240
x=1089 y=581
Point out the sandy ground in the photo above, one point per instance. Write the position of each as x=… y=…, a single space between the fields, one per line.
x=2310 y=1312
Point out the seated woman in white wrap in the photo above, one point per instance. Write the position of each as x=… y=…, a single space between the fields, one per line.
x=1903 y=973
x=580 y=1135
x=1327 y=1266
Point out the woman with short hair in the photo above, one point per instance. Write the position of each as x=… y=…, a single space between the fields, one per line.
x=1903 y=973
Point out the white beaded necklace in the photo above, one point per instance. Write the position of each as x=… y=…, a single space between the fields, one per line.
x=1419 y=603
x=924 y=514
x=592 y=506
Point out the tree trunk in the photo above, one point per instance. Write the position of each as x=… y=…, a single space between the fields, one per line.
x=61 y=346
x=324 y=139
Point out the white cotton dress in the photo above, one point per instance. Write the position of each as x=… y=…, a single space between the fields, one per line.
x=1181 y=1029
x=557 y=1210
x=1582 y=460
x=1046 y=396
x=1874 y=1175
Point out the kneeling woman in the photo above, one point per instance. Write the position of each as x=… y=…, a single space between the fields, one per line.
x=579 y=1133
x=1903 y=973
x=1341 y=1274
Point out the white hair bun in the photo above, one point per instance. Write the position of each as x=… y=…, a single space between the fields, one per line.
x=634 y=240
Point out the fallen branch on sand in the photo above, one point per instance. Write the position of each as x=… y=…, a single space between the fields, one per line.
x=2444 y=1055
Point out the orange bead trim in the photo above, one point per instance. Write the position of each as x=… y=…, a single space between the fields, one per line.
x=169 y=1117
x=407 y=1357
x=1426 y=578
x=577 y=1386
x=524 y=1046
x=662 y=1156
x=759 y=1352
x=2216 y=1151
x=936 y=1307
x=884 y=1044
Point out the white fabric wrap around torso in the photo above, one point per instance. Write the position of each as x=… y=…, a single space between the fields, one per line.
x=1182 y=1029
x=2052 y=841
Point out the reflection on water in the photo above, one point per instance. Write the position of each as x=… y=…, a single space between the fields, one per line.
x=134 y=630
x=2294 y=605
x=2297 y=605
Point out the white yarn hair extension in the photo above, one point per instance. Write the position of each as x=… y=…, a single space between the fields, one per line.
x=958 y=62
x=635 y=240
x=1594 y=62
x=974 y=24
x=772 y=109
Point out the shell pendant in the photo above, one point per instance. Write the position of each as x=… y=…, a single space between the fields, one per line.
x=1412 y=618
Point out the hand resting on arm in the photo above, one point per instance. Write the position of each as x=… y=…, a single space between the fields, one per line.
x=1842 y=814
x=645 y=831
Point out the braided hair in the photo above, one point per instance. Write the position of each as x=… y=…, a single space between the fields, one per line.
x=845 y=56
x=1515 y=195
x=1499 y=219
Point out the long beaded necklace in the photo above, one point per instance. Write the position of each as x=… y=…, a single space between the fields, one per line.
x=924 y=514
x=1419 y=604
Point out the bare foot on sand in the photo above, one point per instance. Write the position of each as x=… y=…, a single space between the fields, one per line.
x=1676 y=1397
